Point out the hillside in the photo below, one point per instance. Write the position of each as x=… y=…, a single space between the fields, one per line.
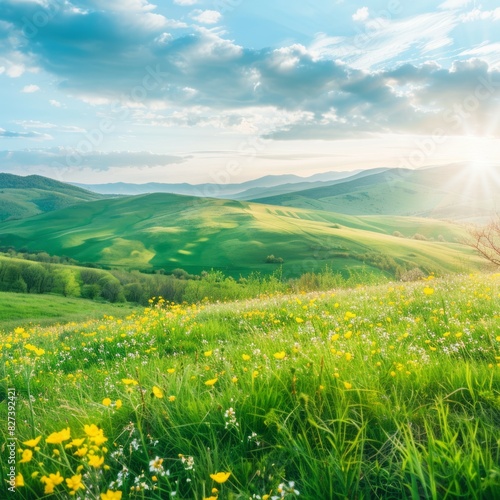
x=455 y=192
x=22 y=197
x=162 y=231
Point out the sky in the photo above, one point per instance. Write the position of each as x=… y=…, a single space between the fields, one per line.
x=225 y=91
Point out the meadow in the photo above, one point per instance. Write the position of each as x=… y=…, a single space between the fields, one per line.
x=388 y=391
x=165 y=232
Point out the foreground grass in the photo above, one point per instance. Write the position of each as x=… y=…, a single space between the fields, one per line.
x=21 y=309
x=380 y=392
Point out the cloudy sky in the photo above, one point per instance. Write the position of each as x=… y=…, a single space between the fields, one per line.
x=229 y=90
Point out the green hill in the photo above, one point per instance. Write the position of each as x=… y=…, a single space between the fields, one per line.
x=173 y=231
x=455 y=192
x=22 y=197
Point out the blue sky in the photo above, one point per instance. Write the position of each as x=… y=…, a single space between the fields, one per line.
x=229 y=90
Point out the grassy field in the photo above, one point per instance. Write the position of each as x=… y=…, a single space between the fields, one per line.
x=24 y=309
x=172 y=231
x=385 y=392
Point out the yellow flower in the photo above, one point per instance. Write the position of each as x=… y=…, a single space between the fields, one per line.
x=81 y=452
x=211 y=497
x=118 y=404
x=279 y=355
x=75 y=442
x=27 y=456
x=32 y=442
x=111 y=495
x=92 y=430
x=211 y=382
x=59 y=437
x=255 y=374
x=428 y=290
x=19 y=480
x=347 y=385
x=96 y=461
x=171 y=398
x=75 y=483
x=129 y=381
x=106 y=402
x=234 y=380
x=220 y=477
x=299 y=320
x=245 y=357
x=157 y=392
x=498 y=338
x=51 y=481
x=170 y=370
x=207 y=353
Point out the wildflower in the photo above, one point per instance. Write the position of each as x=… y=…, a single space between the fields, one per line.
x=118 y=404
x=75 y=442
x=27 y=456
x=428 y=290
x=172 y=398
x=299 y=320
x=234 y=380
x=111 y=495
x=59 y=437
x=92 y=430
x=207 y=353
x=129 y=381
x=220 y=477
x=156 y=465
x=211 y=382
x=51 y=481
x=106 y=402
x=279 y=355
x=75 y=483
x=170 y=370
x=347 y=385
x=32 y=442
x=157 y=392
x=96 y=461
x=19 y=480
x=255 y=374
x=211 y=497
x=245 y=357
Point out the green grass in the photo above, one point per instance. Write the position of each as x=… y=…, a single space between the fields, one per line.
x=387 y=392
x=171 y=231
x=19 y=309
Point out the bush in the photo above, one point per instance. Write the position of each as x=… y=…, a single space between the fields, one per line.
x=419 y=237
x=271 y=259
x=414 y=274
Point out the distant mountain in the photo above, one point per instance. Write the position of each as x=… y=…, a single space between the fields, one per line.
x=165 y=231
x=22 y=197
x=254 y=193
x=220 y=190
x=455 y=192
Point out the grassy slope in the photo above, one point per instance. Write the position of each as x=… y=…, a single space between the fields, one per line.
x=381 y=392
x=22 y=197
x=454 y=192
x=169 y=231
x=19 y=309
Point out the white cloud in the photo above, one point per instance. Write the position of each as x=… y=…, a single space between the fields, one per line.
x=16 y=70
x=206 y=16
x=29 y=89
x=55 y=103
x=454 y=4
x=481 y=15
x=361 y=14
x=186 y=2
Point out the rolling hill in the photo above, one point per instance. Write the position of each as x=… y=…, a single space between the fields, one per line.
x=162 y=231
x=22 y=197
x=455 y=192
